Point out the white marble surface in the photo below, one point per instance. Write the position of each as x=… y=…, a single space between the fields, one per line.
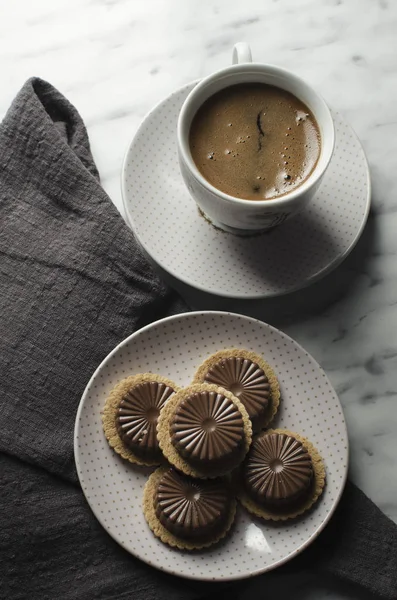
x=114 y=59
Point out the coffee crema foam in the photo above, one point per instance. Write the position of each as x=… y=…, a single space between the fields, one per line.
x=254 y=141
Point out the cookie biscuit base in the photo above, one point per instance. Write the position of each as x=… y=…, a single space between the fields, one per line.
x=316 y=489
x=110 y=412
x=164 y=435
x=255 y=358
x=158 y=528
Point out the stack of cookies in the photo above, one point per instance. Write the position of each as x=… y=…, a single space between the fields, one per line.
x=212 y=444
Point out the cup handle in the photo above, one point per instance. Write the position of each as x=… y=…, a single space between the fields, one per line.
x=241 y=53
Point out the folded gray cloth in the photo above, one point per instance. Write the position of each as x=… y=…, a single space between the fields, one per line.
x=73 y=285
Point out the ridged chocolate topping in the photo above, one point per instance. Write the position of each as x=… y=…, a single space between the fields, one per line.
x=137 y=416
x=207 y=429
x=191 y=508
x=246 y=380
x=278 y=470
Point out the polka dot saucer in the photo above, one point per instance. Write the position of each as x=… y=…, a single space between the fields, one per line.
x=175 y=347
x=170 y=229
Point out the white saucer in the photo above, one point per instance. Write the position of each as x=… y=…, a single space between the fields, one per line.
x=175 y=347
x=170 y=229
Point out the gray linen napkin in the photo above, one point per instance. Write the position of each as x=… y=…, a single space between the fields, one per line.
x=72 y=285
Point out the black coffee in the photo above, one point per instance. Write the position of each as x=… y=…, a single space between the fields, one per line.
x=255 y=141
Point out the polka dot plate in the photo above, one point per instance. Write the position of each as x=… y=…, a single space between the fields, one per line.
x=175 y=347
x=171 y=231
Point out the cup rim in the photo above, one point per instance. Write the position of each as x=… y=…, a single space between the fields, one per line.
x=183 y=143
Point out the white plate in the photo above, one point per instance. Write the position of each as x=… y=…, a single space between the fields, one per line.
x=170 y=229
x=174 y=347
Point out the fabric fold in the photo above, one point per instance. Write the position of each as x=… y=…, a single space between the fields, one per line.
x=74 y=283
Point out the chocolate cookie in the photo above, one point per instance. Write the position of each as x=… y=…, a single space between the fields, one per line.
x=131 y=413
x=278 y=470
x=205 y=431
x=248 y=377
x=187 y=513
x=282 y=475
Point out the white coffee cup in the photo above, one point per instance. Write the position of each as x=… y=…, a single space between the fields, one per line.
x=244 y=217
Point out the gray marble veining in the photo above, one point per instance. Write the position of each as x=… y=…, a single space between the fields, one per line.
x=115 y=60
